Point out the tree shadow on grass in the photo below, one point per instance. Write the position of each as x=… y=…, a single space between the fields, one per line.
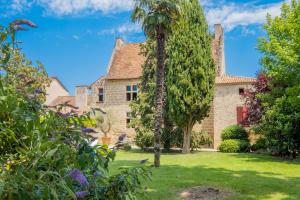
x=168 y=180
x=253 y=157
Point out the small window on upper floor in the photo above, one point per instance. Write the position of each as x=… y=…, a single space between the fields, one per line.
x=241 y=91
x=131 y=92
x=101 y=95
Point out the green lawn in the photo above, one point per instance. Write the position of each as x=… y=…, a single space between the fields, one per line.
x=249 y=176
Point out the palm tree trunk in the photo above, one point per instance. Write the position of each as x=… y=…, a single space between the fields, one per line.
x=160 y=94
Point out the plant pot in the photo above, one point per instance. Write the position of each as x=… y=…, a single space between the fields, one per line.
x=106 y=140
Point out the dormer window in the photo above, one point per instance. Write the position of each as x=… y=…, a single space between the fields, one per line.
x=101 y=95
x=131 y=92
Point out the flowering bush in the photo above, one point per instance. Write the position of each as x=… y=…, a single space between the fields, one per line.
x=46 y=154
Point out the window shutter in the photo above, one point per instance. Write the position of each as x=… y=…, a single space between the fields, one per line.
x=239 y=114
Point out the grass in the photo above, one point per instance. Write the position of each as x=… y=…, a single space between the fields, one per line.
x=248 y=176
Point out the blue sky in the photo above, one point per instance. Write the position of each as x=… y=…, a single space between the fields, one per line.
x=75 y=38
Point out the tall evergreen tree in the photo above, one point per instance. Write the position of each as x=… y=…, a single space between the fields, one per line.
x=191 y=70
x=157 y=18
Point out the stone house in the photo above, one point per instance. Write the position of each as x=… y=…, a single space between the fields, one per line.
x=55 y=89
x=114 y=91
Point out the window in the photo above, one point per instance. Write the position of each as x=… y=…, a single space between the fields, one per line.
x=128 y=119
x=131 y=92
x=241 y=91
x=101 y=95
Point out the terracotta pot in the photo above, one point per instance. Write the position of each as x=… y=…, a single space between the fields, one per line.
x=106 y=140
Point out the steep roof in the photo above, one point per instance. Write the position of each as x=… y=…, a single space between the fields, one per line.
x=234 y=80
x=67 y=100
x=126 y=62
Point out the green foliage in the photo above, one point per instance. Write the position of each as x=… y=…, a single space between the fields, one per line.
x=142 y=109
x=234 y=146
x=45 y=154
x=89 y=123
x=144 y=139
x=281 y=62
x=234 y=132
x=191 y=68
x=260 y=144
x=200 y=139
x=174 y=139
x=156 y=16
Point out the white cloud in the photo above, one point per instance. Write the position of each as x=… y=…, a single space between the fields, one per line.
x=232 y=15
x=71 y=7
x=126 y=28
x=14 y=7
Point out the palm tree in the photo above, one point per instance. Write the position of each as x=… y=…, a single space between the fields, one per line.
x=157 y=17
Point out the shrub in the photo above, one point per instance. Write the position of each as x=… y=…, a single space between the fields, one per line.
x=199 y=139
x=261 y=143
x=234 y=146
x=234 y=132
x=144 y=140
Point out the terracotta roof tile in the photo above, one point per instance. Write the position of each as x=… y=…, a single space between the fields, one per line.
x=234 y=80
x=68 y=100
x=126 y=63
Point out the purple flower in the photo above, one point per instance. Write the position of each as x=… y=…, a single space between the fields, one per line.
x=39 y=91
x=88 y=130
x=76 y=175
x=81 y=194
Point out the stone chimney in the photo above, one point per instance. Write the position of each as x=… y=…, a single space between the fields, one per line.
x=81 y=96
x=119 y=42
x=219 y=39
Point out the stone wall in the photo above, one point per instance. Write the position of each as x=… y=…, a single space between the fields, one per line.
x=226 y=100
x=95 y=93
x=115 y=104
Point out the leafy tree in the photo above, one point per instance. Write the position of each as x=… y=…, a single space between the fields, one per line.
x=191 y=70
x=157 y=18
x=281 y=61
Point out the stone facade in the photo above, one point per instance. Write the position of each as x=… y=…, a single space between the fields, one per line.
x=226 y=101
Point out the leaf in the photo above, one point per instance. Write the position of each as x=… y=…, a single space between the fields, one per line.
x=52 y=152
x=70 y=192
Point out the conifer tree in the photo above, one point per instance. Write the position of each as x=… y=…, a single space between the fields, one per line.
x=191 y=70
